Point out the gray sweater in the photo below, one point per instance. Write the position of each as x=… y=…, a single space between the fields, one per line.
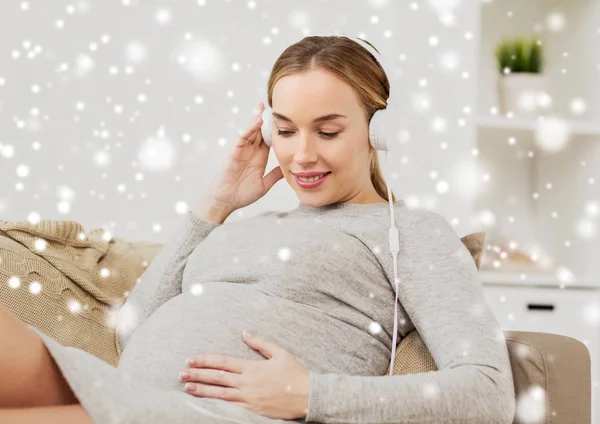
x=318 y=281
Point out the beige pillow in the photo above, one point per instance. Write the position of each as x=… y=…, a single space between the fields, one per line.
x=412 y=356
x=474 y=243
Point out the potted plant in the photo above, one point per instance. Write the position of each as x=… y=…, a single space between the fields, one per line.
x=521 y=84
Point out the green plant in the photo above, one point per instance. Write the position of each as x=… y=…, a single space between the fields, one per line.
x=520 y=54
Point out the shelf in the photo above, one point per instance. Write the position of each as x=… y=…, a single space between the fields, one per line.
x=503 y=123
x=489 y=277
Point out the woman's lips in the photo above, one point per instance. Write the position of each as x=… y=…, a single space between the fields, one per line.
x=311 y=184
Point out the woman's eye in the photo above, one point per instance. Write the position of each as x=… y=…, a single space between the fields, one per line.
x=284 y=133
x=289 y=133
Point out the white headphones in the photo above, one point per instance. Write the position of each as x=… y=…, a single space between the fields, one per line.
x=381 y=135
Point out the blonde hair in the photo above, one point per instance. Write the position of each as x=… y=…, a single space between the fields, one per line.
x=350 y=62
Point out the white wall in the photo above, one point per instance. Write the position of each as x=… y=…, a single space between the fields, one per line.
x=220 y=33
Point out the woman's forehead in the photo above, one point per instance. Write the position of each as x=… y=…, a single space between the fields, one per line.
x=313 y=95
x=315 y=82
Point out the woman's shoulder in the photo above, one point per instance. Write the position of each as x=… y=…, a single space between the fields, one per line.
x=419 y=220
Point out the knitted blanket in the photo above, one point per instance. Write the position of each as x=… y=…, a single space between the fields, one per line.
x=68 y=283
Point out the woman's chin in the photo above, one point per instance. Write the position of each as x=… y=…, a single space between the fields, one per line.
x=313 y=200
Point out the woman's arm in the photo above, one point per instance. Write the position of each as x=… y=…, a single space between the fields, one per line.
x=162 y=279
x=440 y=290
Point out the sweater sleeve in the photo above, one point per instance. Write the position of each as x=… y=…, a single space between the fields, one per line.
x=440 y=291
x=161 y=281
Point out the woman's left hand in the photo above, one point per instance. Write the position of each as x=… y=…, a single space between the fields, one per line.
x=276 y=388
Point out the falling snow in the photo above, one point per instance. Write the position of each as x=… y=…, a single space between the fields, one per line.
x=122 y=130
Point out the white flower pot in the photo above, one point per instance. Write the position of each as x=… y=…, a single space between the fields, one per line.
x=523 y=93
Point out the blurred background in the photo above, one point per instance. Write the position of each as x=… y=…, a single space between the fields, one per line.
x=116 y=114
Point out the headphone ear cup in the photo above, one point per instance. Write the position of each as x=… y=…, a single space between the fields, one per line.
x=267 y=125
x=377 y=130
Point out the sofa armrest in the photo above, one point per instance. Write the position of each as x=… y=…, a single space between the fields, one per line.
x=558 y=364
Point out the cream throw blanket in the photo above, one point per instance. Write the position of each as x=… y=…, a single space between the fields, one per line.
x=68 y=283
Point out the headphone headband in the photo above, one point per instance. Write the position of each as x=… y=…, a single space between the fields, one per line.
x=368 y=46
x=371 y=49
x=364 y=43
x=378 y=56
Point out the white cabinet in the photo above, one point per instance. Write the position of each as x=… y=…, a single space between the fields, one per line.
x=570 y=312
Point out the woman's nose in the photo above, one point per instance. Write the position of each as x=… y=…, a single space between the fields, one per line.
x=306 y=149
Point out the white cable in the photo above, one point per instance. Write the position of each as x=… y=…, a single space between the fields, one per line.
x=394 y=243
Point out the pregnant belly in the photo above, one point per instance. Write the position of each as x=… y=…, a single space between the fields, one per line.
x=188 y=325
x=213 y=321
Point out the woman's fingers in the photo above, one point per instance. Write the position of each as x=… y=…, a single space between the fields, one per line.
x=253 y=134
x=272 y=177
x=259 y=137
x=247 y=135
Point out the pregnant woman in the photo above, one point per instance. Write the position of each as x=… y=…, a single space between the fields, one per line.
x=315 y=286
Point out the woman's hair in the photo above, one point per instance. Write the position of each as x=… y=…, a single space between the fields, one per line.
x=350 y=62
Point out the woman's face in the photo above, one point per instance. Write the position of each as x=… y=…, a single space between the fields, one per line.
x=320 y=125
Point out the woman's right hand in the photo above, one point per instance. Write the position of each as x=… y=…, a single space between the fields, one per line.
x=241 y=182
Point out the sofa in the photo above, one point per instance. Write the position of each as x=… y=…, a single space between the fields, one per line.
x=70 y=284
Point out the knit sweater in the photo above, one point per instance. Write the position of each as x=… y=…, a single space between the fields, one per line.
x=318 y=281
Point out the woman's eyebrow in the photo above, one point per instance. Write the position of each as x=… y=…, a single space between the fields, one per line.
x=329 y=117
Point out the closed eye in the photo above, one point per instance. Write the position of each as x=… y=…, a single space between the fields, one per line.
x=324 y=134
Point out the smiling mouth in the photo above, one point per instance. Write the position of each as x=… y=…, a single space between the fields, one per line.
x=312 y=179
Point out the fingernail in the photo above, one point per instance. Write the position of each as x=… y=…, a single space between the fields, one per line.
x=184 y=375
x=191 y=361
x=190 y=387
